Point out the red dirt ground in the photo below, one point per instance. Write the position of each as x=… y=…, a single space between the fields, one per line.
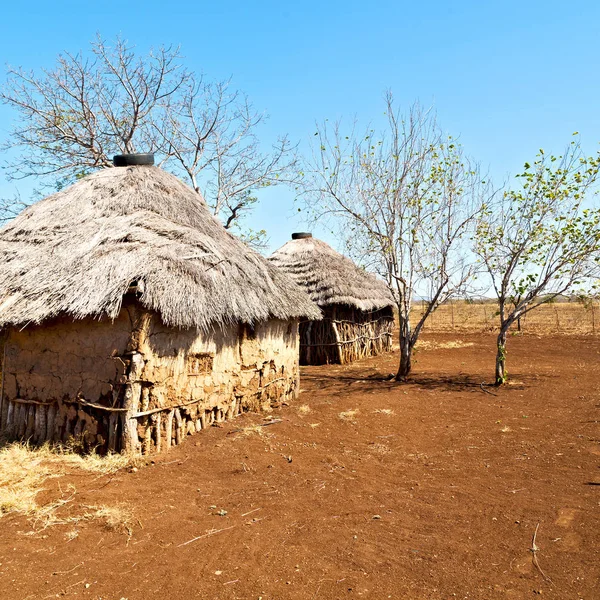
x=439 y=500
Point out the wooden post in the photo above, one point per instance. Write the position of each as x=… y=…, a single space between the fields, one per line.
x=337 y=336
x=133 y=386
x=3 y=408
x=131 y=404
x=157 y=428
x=40 y=424
x=20 y=420
x=308 y=341
x=30 y=421
x=148 y=422
x=79 y=427
x=59 y=418
x=169 y=429
x=50 y=422
x=10 y=419
x=113 y=421
x=178 y=426
x=231 y=411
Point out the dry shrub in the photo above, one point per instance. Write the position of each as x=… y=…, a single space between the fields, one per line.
x=304 y=409
x=114 y=518
x=348 y=415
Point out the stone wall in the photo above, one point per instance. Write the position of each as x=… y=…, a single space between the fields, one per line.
x=135 y=384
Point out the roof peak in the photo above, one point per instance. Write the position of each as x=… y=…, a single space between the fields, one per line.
x=301 y=235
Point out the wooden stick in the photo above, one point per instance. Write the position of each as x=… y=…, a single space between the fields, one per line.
x=145 y=413
x=534 y=559
x=212 y=532
x=77 y=401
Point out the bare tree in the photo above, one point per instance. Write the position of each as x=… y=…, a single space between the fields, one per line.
x=406 y=200
x=541 y=238
x=11 y=207
x=74 y=118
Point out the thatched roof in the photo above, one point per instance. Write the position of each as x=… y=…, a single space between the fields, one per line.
x=78 y=251
x=328 y=276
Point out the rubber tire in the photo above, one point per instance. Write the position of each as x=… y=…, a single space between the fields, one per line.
x=133 y=160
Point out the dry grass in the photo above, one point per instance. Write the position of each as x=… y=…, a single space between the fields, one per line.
x=430 y=345
x=25 y=469
x=304 y=409
x=255 y=429
x=477 y=317
x=349 y=415
x=22 y=474
x=384 y=411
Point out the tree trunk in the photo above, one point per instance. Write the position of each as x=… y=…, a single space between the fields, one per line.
x=501 y=374
x=405 y=350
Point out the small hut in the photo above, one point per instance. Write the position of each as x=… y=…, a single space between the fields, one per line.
x=357 y=306
x=131 y=317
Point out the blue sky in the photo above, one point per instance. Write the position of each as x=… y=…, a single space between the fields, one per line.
x=506 y=77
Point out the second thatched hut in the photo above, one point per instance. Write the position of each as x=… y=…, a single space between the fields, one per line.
x=357 y=306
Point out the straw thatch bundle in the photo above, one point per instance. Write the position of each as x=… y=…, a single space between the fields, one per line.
x=357 y=306
x=328 y=276
x=78 y=252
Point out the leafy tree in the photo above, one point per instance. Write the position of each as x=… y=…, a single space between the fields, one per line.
x=405 y=202
x=73 y=118
x=541 y=238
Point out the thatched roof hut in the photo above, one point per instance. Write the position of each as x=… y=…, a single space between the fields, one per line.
x=132 y=317
x=357 y=306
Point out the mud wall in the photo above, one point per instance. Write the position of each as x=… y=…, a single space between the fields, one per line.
x=53 y=373
x=135 y=384
x=192 y=380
